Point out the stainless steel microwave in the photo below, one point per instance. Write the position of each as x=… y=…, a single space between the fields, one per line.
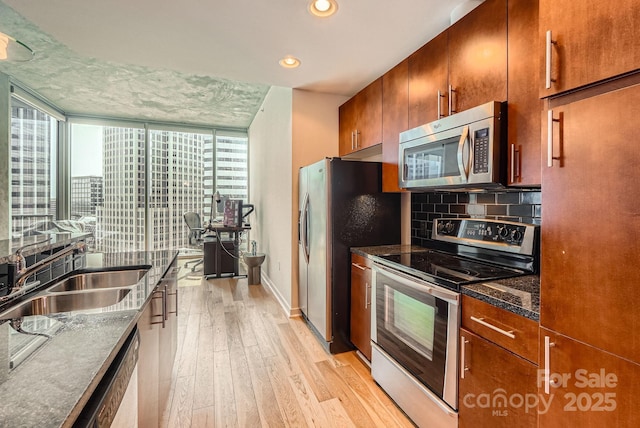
x=466 y=150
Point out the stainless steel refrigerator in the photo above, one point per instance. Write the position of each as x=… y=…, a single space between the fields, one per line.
x=340 y=206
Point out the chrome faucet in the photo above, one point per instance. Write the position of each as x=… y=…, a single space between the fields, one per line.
x=254 y=247
x=19 y=272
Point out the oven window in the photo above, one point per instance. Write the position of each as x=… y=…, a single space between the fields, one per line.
x=411 y=321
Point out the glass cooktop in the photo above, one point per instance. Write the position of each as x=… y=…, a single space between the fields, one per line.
x=447 y=269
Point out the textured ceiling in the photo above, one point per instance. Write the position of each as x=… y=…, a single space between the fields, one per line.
x=206 y=62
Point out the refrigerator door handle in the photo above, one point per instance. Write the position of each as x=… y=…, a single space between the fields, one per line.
x=305 y=227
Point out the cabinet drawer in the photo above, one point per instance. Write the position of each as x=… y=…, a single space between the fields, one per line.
x=513 y=332
x=357 y=259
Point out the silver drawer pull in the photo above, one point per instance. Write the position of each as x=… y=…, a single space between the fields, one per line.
x=481 y=321
x=358 y=266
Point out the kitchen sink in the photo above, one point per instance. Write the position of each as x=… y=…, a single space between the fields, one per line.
x=66 y=302
x=98 y=280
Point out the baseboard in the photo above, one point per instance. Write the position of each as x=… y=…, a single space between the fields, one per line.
x=266 y=281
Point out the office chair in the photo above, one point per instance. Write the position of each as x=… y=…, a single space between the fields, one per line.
x=195 y=236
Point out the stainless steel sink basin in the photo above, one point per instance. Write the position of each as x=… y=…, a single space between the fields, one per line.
x=66 y=302
x=97 y=280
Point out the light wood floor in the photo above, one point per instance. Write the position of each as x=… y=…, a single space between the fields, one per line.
x=242 y=362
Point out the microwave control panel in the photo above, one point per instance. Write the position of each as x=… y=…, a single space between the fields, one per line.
x=481 y=151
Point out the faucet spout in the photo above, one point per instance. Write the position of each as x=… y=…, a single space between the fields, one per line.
x=21 y=273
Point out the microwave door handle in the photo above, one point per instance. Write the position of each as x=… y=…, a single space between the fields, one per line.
x=464 y=168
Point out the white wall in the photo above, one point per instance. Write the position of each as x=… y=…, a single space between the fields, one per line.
x=270 y=188
x=293 y=128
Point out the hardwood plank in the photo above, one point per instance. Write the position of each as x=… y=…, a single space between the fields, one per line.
x=313 y=413
x=311 y=343
x=225 y=406
x=246 y=407
x=181 y=409
x=203 y=418
x=357 y=413
x=219 y=327
x=382 y=399
x=187 y=362
x=310 y=371
x=336 y=413
x=246 y=329
x=204 y=392
x=284 y=394
x=262 y=337
x=270 y=415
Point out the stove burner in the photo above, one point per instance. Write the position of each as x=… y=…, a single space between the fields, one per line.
x=451 y=269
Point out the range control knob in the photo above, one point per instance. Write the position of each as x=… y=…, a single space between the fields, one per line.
x=516 y=235
x=503 y=231
x=440 y=227
x=448 y=228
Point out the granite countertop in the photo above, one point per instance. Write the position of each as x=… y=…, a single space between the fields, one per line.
x=520 y=295
x=381 y=250
x=51 y=386
x=37 y=243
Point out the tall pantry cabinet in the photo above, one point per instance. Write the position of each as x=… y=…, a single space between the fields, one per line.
x=590 y=240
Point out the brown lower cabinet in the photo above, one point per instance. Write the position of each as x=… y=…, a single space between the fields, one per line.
x=497 y=388
x=361 y=304
x=588 y=387
x=158 y=344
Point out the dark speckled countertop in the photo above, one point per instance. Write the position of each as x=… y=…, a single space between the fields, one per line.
x=520 y=295
x=51 y=386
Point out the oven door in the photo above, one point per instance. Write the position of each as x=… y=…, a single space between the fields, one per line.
x=416 y=323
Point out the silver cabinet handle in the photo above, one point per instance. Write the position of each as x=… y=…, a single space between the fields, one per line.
x=352 y=140
x=463 y=366
x=358 y=266
x=163 y=296
x=546 y=370
x=174 y=294
x=481 y=321
x=451 y=91
x=357 y=139
x=367 y=295
x=440 y=97
x=515 y=163
x=548 y=51
x=550 y=121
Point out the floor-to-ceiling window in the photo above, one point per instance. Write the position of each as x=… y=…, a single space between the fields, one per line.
x=131 y=191
x=34 y=139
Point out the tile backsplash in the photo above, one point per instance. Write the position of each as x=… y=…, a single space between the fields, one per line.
x=523 y=206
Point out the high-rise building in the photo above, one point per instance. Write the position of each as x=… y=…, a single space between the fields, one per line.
x=32 y=195
x=86 y=196
x=175 y=187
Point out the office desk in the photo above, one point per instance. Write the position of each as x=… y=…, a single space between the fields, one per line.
x=221 y=250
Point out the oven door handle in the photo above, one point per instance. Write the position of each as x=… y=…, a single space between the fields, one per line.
x=419 y=285
x=463 y=166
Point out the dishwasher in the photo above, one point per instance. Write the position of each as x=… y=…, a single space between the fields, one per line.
x=115 y=400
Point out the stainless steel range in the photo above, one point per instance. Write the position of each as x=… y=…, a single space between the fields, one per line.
x=416 y=317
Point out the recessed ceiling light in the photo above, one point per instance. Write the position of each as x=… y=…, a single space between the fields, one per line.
x=289 y=62
x=323 y=8
x=14 y=50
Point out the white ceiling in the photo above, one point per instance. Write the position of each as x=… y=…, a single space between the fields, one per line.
x=207 y=62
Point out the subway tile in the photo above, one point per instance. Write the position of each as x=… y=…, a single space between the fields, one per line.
x=521 y=210
x=486 y=198
x=418 y=198
x=458 y=209
x=496 y=209
x=463 y=198
x=509 y=198
x=449 y=198
x=476 y=209
x=442 y=208
x=532 y=198
x=434 y=198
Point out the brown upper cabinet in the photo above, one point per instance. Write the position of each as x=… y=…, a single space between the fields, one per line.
x=589 y=275
x=523 y=105
x=361 y=119
x=463 y=67
x=395 y=117
x=582 y=42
